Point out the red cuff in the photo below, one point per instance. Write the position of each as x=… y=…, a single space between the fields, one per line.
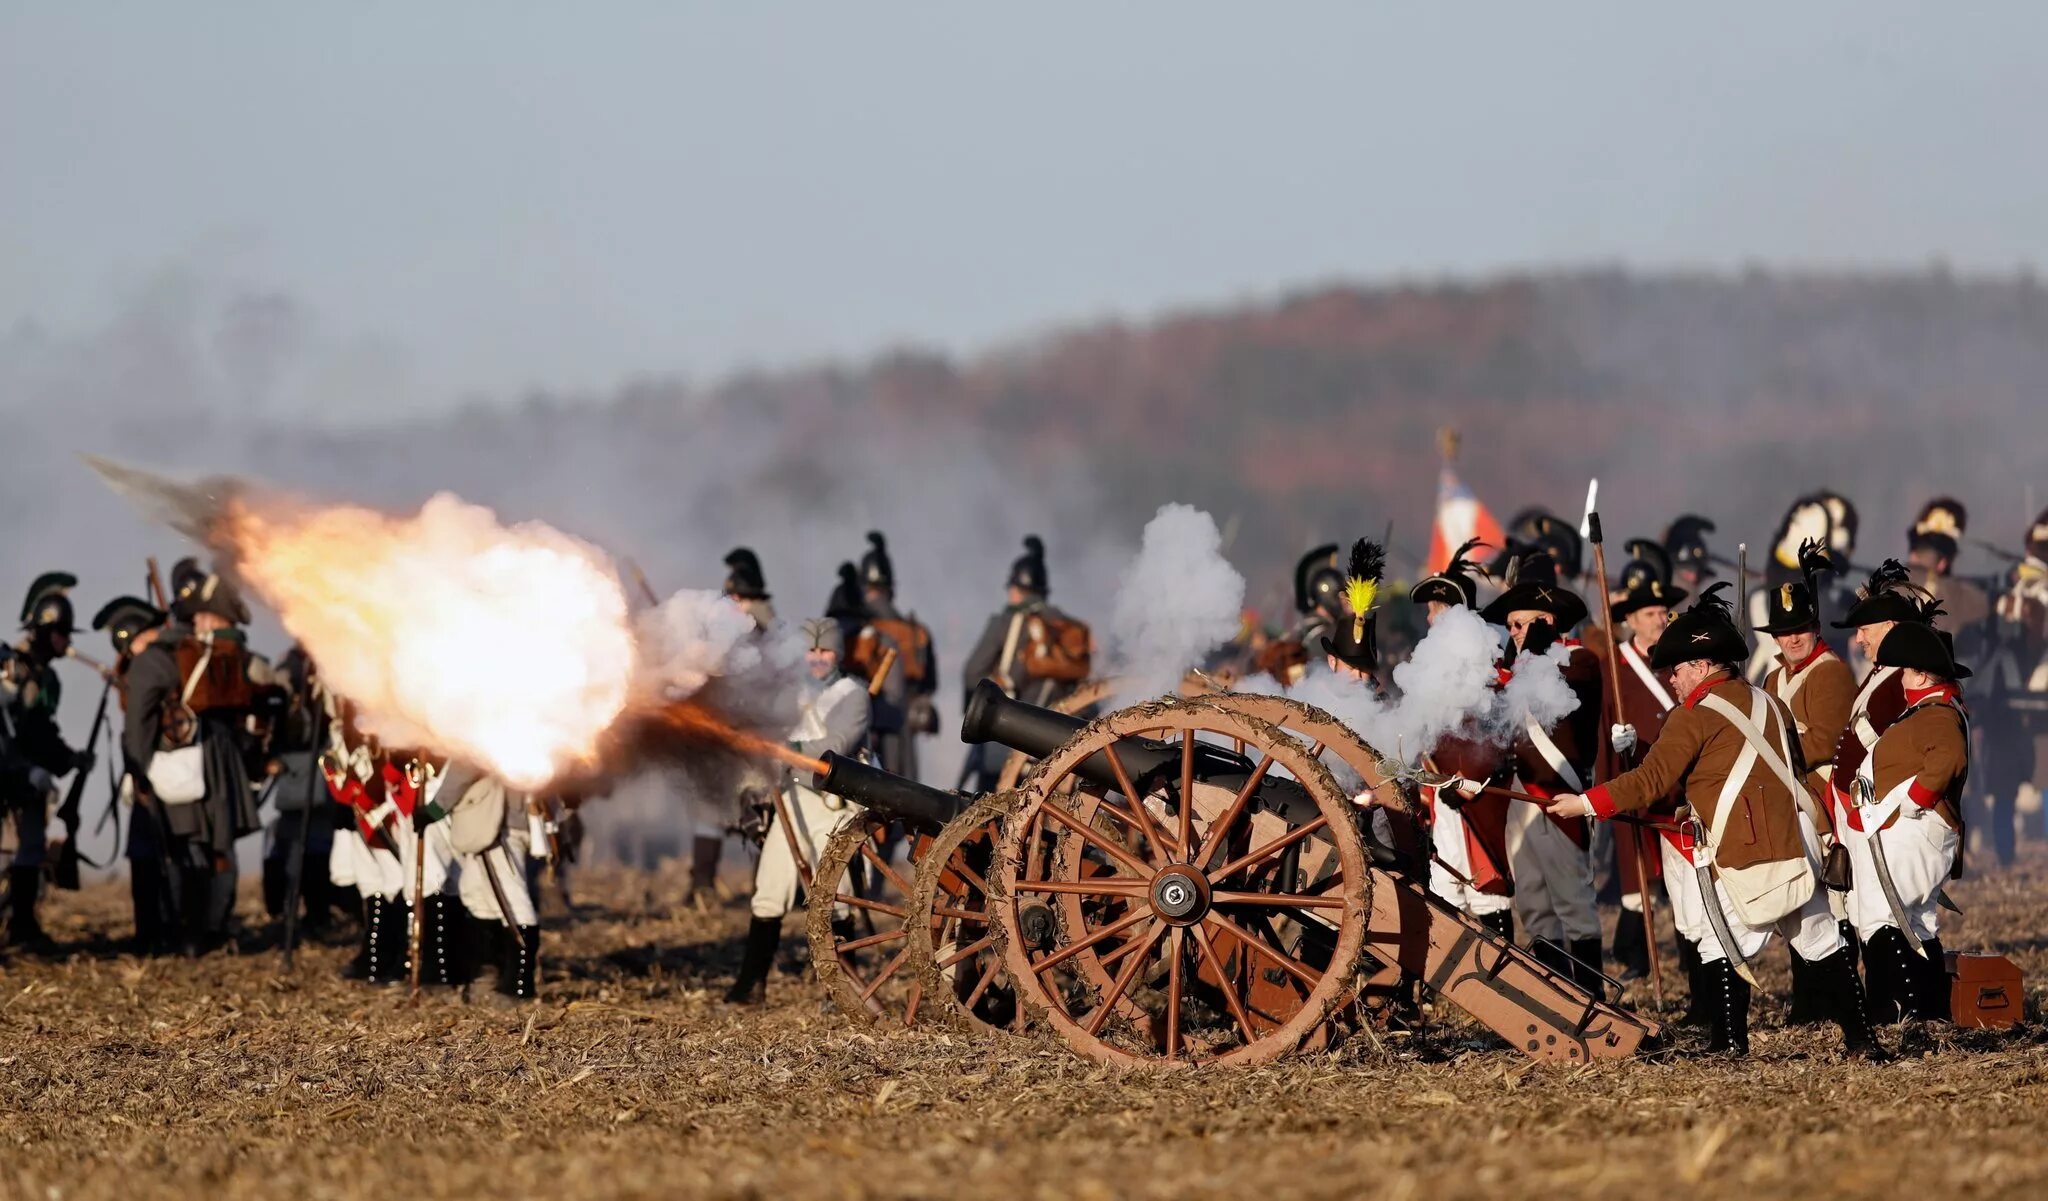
x=1603 y=805
x=1924 y=797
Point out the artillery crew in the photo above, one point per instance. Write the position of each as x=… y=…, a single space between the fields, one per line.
x=1033 y=651
x=1728 y=747
x=132 y=624
x=893 y=655
x=833 y=717
x=1554 y=895
x=1642 y=613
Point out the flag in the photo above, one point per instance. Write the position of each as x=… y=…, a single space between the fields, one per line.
x=1460 y=516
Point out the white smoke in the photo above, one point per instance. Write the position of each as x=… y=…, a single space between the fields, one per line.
x=1446 y=687
x=697 y=636
x=1178 y=600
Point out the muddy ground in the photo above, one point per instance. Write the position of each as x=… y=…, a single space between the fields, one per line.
x=124 y=1078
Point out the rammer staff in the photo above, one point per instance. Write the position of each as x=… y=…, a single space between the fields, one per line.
x=1635 y=841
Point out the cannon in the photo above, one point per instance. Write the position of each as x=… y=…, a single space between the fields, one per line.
x=1186 y=883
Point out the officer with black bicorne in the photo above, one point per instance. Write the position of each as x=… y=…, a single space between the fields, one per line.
x=33 y=754
x=189 y=695
x=1031 y=649
x=132 y=624
x=903 y=709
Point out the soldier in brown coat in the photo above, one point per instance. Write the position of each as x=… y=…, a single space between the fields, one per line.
x=1887 y=599
x=1713 y=748
x=1905 y=827
x=1640 y=616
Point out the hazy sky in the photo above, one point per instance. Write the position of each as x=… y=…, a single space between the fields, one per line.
x=481 y=198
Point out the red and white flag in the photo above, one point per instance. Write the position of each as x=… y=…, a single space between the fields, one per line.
x=1460 y=517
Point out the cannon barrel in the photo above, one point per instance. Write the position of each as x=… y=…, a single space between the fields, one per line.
x=992 y=716
x=887 y=794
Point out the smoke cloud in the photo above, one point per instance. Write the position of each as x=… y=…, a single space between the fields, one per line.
x=1178 y=600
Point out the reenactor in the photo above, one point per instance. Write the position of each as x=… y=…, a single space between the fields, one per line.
x=833 y=717
x=1351 y=648
x=132 y=624
x=1553 y=875
x=1885 y=600
x=1318 y=604
x=1033 y=651
x=901 y=683
x=1728 y=749
x=1818 y=690
x=1685 y=540
x=33 y=754
x=2015 y=721
x=1640 y=615
x=188 y=699
x=1467 y=828
x=736 y=785
x=1904 y=827
x=487 y=834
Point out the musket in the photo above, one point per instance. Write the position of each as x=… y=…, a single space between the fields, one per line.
x=64 y=872
x=416 y=772
x=106 y=673
x=157 y=595
x=1742 y=589
x=1635 y=841
x=640 y=581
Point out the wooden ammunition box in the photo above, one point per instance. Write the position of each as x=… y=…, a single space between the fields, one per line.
x=1985 y=991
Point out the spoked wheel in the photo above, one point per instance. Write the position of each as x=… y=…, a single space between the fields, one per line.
x=958 y=963
x=860 y=926
x=1231 y=913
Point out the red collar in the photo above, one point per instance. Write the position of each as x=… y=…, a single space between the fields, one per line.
x=1693 y=698
x=1915 y=696
x=1821 y=650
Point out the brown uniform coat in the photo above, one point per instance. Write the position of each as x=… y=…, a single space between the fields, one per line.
x=1695 y=752
x=1883 y=708
x=1930 y=747
x=1820 y=707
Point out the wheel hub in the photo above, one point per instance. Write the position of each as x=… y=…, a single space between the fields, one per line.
x=1180 y=895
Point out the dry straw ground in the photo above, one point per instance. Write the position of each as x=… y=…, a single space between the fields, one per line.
x=125 y=1078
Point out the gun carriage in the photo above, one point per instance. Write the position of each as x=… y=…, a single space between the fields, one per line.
x=1183 y=882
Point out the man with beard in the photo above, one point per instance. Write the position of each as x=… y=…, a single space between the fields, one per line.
x=833 y=717
x=1553 y=875
x=903 y=710
x=1642 y=614
x=1727 y=748
x=188 y=697
x=1033 y=651
x=33 y=754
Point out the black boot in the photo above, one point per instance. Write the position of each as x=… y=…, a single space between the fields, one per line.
x=1729 y=995
x=518 y=970
x=1586 y=966
x=359 y=967
x=1935 y=987
x=1835 y=983
x=1697 y=1011
x=1631 y=950
x=445 y=948
x=1551 y=955
x=1888 y=965
x=1812 y=997
x=390 y=940
x=750 y=987
x=1502 y=923
x=24 y=929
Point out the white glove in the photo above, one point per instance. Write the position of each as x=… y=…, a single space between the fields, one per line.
x=56 y=830
x=1467 y=788
x=1622 y=738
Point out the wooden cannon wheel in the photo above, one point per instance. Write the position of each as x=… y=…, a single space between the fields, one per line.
x=865 y=964
x=954 y=950
x=1210 y=866
x=1086 y=693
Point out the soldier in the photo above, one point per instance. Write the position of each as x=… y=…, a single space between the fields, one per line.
x=2015 y=721
x=748 y=588
x=1904 y=828
x=1728 y=748
x=1318 y=603
x=1884 y=601
x=737 y=786
x=1554 y=896
x=1685 y=540
x=33 y=754
x=1351 y=648
x=1642 y=613
x=132 y=624
x=846 y=605
x=1032 y=650
x=834 y=717
x=487 y=832
x=903 y=710
x=1818 y=690
x=1467 y=829
x=370 y=854
x=188 y=696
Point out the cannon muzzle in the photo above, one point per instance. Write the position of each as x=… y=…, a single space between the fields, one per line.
x=888 y=795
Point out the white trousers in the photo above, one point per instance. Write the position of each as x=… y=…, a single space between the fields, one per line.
x=1682 y=887
x=378 y=872
x=507 y=862
x=1811 y=929
x=1553 y=878
x=1447 y=836
x=816 y=818
x=1920 y=849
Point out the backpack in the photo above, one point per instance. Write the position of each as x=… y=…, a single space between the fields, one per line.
x=912 y=642
x=1056 y=647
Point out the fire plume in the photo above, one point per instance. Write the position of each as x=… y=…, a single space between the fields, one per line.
x=507 y=646
x=692 y=721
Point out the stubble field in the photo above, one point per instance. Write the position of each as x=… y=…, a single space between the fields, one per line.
x=127 y=1078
